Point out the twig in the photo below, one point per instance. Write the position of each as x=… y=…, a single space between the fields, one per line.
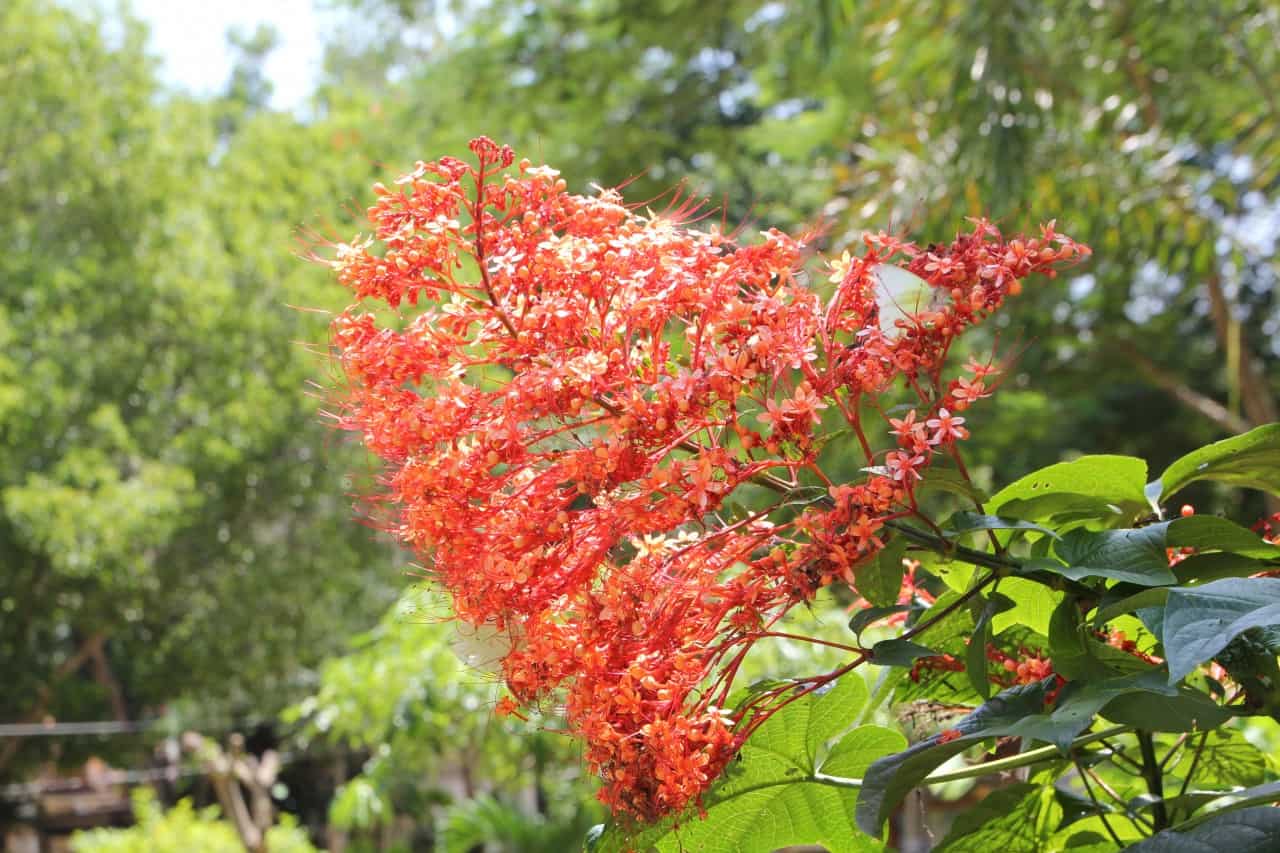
x=1102 y=812
x=1155 y=779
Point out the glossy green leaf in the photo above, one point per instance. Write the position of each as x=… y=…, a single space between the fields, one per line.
x=1087 y=485
x=1203 y=568
x=976 y=653
x=1111 y=609
x=1251 y=460
x=1185 y=710
x=868 y=616
x=1135 y=555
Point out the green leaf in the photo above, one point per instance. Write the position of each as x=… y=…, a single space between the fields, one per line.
x=1210 y=533
x=1034 y=606
x=899 y=652
x=1251 y=460
x=1253 y=830
x=1200 y=621
x=1188 y=802
x=1135 y=555
x=1089 y=835
x=853 y=754
x=1018 y=818
x=880 y=580
x=781 y=792
x=1186 y=710
x=870 y=615
x=967 y=522
x=1086 y=485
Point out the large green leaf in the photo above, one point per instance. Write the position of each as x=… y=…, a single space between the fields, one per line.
x=1088 y=485
x=1136 y=555
x=1254 y=830
x=786 y=789
x=1251 y=460
x=1200 y=621
x=1034 y=605
x=1124 y=699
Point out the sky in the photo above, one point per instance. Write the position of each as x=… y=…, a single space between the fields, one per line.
x=190 y=37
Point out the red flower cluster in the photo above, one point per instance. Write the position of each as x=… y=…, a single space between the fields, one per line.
x=1027 y=668
x=581 y=389
x=1268 y=528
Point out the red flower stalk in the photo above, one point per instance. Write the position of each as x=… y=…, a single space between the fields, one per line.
x=579 y=393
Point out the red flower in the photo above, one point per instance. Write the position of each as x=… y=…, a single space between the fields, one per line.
x=583 y=388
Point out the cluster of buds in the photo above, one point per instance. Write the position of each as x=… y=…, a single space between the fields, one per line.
x=565 y=392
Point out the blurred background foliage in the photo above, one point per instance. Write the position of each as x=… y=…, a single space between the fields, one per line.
x=174 y=514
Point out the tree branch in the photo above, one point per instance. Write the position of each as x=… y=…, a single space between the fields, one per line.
x=1167 y=381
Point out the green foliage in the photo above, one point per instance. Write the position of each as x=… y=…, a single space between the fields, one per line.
x=487 y=822
x=181 y=829
x=166 y=486
x=1251 y=460
x=406 y=695
x=1016 y=819
x=1091 y=488
x=1200 y=622
x=1151 y=690
x=1133 y=555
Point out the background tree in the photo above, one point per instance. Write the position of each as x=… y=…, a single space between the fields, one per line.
x=169 y=497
